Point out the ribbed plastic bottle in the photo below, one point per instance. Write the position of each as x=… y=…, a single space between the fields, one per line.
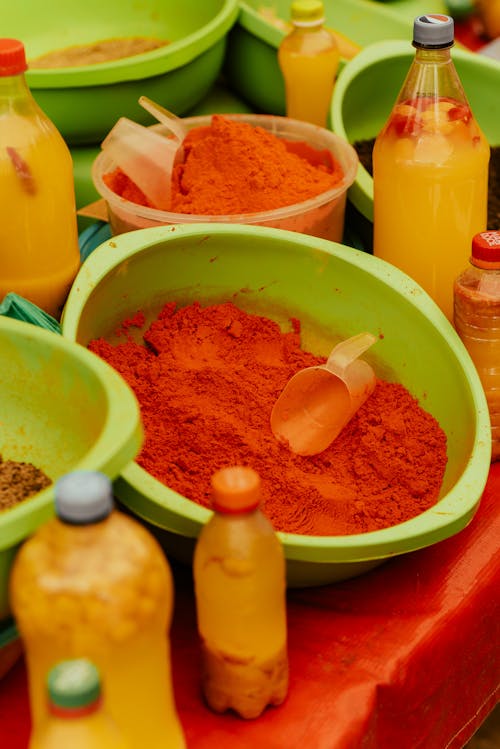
x=240 y=586
x=477 y=321
x=39 y=255
x=93 y=583
x=430 y=169
x=76 y=719
x=309 y=58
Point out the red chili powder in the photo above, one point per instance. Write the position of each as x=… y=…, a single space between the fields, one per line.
x=206 y=380
x=232 y=167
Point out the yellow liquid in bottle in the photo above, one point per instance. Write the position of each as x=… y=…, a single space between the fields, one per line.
x=309 y=60
x=38 y=227
x=239 y=575
x=430 y=197
x=104 y=592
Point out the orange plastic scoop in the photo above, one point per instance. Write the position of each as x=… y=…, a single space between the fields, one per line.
x=318 y=402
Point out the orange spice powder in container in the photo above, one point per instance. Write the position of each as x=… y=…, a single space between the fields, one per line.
x=249 y=169
x=207 y=380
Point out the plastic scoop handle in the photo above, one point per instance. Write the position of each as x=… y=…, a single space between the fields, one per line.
x=345 y=352
x=167 y=118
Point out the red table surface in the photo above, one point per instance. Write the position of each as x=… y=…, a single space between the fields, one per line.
x=406 y=656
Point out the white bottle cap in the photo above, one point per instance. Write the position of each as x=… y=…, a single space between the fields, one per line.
x=83 y=497
x=433 y=31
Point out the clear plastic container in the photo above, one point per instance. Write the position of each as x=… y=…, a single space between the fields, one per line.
x=239 y=573
x=77 y=718
x=38 y=227
x=309 y=58
x=430 y=170
x=322 y=216
x=93 y=583
x=477 y=321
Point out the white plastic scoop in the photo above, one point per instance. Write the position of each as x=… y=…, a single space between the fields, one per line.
x=167 y=118
x=318 y=402
x=145 y=156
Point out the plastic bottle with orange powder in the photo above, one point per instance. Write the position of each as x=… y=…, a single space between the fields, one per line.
x=477 y=321
x=240 y=587
x=39 y=255
x=93 y=583
x=77 y=718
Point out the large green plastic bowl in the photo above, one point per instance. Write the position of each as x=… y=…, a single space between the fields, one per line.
x=368 y=86
x=336 y=291
x=251 y=63
x=62 y=409
x=85 y=102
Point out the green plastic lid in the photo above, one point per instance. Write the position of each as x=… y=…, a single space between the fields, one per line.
x=74 y=683
x=307 y=12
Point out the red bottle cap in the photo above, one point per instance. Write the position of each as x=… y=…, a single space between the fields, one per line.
x=235 y=489
x=486 y=247
x=12 y=57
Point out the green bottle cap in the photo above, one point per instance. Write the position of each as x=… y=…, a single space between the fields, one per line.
x=307 y=12
x=74 y=683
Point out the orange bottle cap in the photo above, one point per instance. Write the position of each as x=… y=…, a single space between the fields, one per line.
x=235 y=489
x=486 y=247
x=12 y=57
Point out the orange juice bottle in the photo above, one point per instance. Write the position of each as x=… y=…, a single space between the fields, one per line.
x=76 y=718
x=39 y=255
x=239 y=574
x=93 y=583
x=309 y=59
x=430 y=169
x=477 y=321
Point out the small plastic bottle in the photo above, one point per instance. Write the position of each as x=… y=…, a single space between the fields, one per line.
x=309 y=58
x=430 y=169
x=94 y=583
x=39 y=255
x=76 y=718
x=477 y=321
x=240 y=586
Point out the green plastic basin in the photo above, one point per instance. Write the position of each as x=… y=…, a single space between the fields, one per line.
x=367 y=88
x=335 y=291
x=85 y=102
x=62 y=409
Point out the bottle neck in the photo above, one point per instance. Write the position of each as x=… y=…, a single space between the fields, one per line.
x=436 y=56
x=308 y=26
x=432 y=74
x=73 y=713
x=14 y=93
x=484 y=264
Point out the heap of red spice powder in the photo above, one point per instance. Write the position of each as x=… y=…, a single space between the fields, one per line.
x=206 y=380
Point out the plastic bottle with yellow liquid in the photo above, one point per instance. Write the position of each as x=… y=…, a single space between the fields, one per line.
x=240 y=587
x=76 y=719
x=309 y=59
x=39 y=254
x=430 y=169
x=93 y=583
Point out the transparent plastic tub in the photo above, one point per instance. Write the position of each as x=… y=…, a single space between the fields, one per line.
x=322 y=216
